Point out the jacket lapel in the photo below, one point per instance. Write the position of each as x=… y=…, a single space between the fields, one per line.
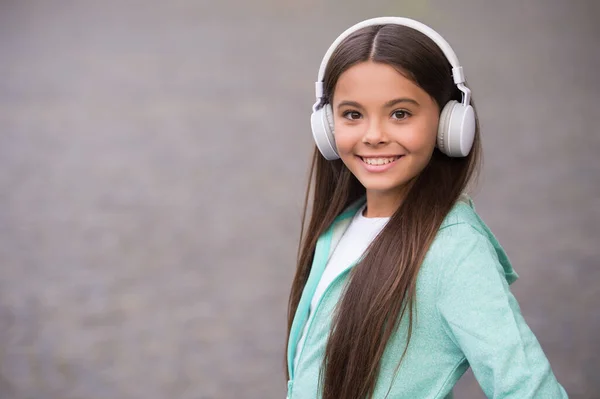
x=325 y=245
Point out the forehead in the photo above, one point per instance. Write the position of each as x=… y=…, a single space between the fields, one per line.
x=370 y=82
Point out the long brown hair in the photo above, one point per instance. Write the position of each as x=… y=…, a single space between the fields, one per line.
x=381 y=288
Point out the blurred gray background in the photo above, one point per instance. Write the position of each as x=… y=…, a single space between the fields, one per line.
x=153 y=158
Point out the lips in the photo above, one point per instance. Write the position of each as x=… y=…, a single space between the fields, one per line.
x=377 y=161
x=379 y=164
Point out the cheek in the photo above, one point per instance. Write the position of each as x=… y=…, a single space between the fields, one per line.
x=422 y=138
x=345 y=139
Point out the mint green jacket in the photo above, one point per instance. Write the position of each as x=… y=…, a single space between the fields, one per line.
x=465 y=316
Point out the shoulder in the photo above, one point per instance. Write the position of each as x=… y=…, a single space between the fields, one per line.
x=462 y=225
x=464 y=241
x=463 y=214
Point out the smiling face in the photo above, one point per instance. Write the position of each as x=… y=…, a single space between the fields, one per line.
x=385 y=127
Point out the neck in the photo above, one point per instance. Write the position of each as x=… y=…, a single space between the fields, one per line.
x=383 y=204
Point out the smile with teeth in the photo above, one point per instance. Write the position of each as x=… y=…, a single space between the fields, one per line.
x=379 y=161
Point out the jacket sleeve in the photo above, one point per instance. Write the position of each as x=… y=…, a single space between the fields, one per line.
x=483 y=318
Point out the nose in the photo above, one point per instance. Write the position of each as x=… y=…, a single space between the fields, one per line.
x=375 y=134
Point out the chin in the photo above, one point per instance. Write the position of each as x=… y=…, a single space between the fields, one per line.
x=383 y=187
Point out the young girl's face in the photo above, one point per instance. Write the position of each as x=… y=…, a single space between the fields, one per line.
x=385 y=126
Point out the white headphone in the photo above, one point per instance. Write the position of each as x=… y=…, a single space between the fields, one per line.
x=456 y=130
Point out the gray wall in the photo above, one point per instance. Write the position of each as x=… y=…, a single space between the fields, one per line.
x=153 y=156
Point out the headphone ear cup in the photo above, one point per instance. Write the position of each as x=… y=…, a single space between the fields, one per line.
x=329 y=116
x=442 y=140
x=456 y=131
x=321 y=122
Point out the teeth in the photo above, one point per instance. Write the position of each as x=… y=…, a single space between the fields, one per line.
x=378 y=161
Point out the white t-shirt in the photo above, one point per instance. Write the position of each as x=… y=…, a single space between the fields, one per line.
x=356 y=239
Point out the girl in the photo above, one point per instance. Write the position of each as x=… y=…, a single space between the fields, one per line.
x=400 y=286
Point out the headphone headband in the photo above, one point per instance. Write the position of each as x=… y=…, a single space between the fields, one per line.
x=457 y=70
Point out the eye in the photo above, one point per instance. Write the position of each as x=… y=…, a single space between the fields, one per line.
x=352 y=115
x=400 y=114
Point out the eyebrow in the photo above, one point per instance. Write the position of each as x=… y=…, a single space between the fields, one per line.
x=388 y=104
